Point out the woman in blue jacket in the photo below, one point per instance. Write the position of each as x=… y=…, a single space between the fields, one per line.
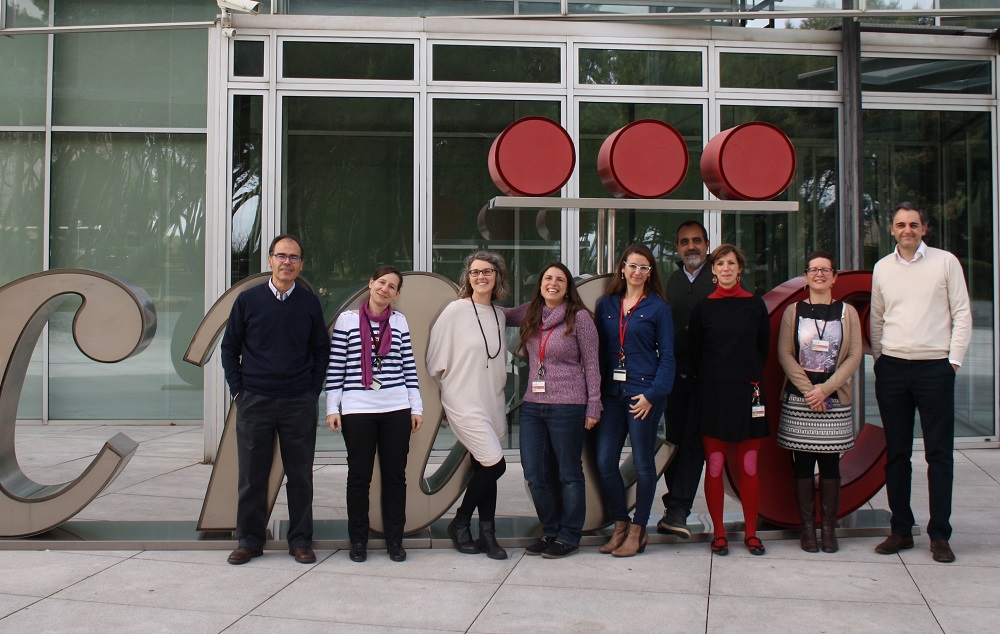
x=636 y=334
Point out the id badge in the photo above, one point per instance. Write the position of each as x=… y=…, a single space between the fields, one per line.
x=619 y=374
x=538 y=387
x=819 y=345
x=757 y=411
x=376 y=384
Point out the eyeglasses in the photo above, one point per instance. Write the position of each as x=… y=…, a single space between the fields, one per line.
x=284 y=257
x=643 y=268
x=817 y=271
x=483 y=272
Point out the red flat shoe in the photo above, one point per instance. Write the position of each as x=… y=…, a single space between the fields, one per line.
x=754 y=545
x=720 y=546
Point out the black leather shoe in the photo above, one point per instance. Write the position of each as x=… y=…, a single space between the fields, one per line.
x=359 y=552
x=242 y=555
x=303 y=554
x=558 y=550
x=670 y=524
x=396 y=552
x=894 y=543
x=941 y=551
x=540 y=546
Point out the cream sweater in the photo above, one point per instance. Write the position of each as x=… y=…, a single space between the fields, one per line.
x=920 y=310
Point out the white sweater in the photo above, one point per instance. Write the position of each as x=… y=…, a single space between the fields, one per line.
x=920 y=310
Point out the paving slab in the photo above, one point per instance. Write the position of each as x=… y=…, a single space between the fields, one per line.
x=737 y=615
x=56 y=615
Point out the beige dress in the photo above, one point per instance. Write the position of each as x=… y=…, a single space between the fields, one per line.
x=472 y=384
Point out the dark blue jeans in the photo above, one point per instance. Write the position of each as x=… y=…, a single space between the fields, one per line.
x=616 y=423
x=552 y=459
x=902 y=388
x=258 y=420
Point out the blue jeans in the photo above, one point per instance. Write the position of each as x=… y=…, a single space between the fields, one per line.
x=615 y=423
x=552 y=447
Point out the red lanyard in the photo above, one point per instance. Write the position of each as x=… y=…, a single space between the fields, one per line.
x=542 y=342
x=623 y=326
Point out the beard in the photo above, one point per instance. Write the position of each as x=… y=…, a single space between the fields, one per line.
x=693 y=260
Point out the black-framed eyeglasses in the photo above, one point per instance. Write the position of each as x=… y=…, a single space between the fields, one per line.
x=483 y=272
x=284 y=257
x=816 y=271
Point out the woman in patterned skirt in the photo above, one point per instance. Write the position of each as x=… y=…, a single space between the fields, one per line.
x=819 y=347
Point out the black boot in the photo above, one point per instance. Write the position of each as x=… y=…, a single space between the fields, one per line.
x=805 y=497
x=829 y=500
x=461 y=534
x=488 y=541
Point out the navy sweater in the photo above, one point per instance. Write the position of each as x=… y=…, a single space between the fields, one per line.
x=274 y=348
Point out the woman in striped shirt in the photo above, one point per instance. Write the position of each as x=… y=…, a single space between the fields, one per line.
x=373 y=397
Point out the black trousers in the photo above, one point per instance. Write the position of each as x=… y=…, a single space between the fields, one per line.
x=683 y=474
x=387 y=433
x=258 y=420
x=902 y=388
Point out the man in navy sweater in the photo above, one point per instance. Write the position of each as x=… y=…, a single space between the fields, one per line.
x=689 y=284
x=275 y=354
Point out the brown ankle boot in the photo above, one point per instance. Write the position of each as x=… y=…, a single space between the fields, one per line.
x=805 y=497
x=829 y=500
x=635 y=542
x=617 y=537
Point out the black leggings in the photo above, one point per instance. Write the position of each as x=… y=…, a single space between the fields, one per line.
x=482 y=490
x=804 y=465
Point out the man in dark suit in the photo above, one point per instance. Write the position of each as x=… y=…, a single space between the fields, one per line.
x=275 y=353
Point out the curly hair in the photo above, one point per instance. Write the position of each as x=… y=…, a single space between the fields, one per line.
x=501 y=288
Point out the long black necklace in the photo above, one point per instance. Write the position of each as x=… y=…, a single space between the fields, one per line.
x=489 y=357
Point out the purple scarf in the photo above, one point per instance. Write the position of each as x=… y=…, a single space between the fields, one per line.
x=384 y=339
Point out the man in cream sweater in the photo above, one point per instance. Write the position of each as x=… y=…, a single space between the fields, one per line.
x=921 y=327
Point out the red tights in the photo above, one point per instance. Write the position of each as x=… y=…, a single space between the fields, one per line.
x=715 y=460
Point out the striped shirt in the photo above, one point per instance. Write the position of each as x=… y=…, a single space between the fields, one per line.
x=345 y=393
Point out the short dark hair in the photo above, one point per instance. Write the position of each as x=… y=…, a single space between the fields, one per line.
x=826 y=255
x=286 y=236
x=908 y=206
x=691 y=223
x=386 y=269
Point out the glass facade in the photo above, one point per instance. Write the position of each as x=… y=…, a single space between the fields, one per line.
x=372 y=146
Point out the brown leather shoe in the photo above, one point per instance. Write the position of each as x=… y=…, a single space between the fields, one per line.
x=303 y=554
x=941 y=551
x=894 y=543
x=242 y=555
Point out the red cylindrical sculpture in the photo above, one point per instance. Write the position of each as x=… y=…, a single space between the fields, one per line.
x=645 y=159
x=753 y=161
x=533 y=156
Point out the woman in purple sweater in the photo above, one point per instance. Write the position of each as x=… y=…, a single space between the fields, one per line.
x=562 y=400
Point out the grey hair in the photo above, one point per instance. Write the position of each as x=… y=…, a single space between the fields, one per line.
x=501 y=288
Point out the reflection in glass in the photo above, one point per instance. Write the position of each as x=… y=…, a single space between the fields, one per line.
x=27 y=13
x=764 y=71
x=248 y=152
x=619 y=67
x=347 y=188
x=132 y=205
x=22 y=79
x=521 y=64
x=347 y=60
x=132 y=78
x=942 y=161
x=248 y=58
x=22 y=156
x=75 y=12
x=777 y=244
x=656 y=229
x=951 y=76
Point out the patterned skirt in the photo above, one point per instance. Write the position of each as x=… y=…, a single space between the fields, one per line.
x=801 y=429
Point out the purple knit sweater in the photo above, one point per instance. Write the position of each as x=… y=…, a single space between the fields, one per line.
x=572 y=376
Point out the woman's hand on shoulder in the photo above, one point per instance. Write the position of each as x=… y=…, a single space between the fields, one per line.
x=333 y=422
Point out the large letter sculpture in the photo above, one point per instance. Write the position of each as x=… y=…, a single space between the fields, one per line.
x=116 y=320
